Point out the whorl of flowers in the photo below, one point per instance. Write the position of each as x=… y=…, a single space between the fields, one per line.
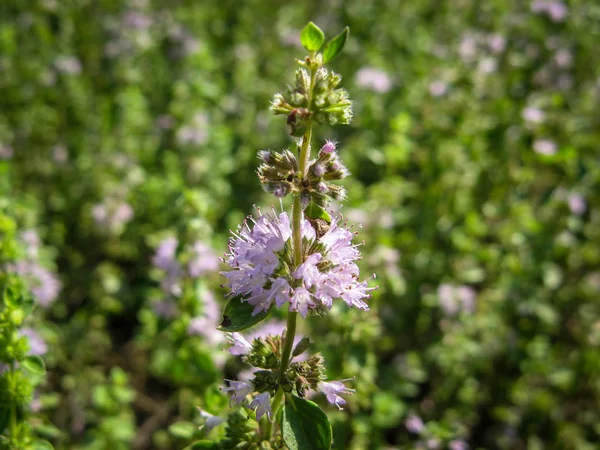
x=263 y=271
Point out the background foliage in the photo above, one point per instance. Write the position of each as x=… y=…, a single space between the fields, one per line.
x=124 y=124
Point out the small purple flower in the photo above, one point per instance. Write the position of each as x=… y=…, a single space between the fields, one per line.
x=456 y=298
x=6 y=152
x=328 y=148
x=210 y=420
x=487 y=66
x=60 y=154
x=239 y=345
x=438 y=88
x=37 y=345
x=577 y=204
x=204 y=260
x=467 y=48
x=238 y=391
x=165 y=122
x=196 y=132
x=112 y=215
x=458 y=444
x=496 y=43
x=557 y=11
x=374 y=79
x=46 y=286
x=167 y=309
x=68 y=65
x=563 y=58
x=544 y=147
x=134 y=19
x=432 y=444
x=414 y=424
x=262 y=405
x=333 y=391
x=164 y=258
x=533 y=115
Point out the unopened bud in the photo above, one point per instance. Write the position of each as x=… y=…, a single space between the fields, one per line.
x=321 y=187
x=318 y=170
x=329 y=147
x=302 y=346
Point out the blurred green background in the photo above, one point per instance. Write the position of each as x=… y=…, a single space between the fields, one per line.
x=130 y=128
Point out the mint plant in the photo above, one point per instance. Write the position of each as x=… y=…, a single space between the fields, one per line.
x=21 y=369
x=302 y=261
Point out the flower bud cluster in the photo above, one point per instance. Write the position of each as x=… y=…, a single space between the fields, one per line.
x=323 y=102
x=300 y=377
x=327 y=167
x=279 y=174
x=306 y=375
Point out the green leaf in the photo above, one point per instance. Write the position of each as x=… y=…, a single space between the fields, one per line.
x=47 y=430
x=335 y=46
x=237 y=315
x=28 y=305
x=204 y=444
x=11 y=298
x=312 y=38
x=184 y=430
x=41 y=445
x=315 y=211
x=304 y=425
x=34 y=364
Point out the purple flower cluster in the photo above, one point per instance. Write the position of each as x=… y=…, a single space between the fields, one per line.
x=43 y=283
x=263 y=271
x=202 y=260
x=112 y=215
x=456 y=298
x=37 y=345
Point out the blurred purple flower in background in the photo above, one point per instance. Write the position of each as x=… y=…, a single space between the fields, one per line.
x=458 y=444
x=438 y=88
x=112 y=215
x=544 y=147
x=164 y=258
x=467 y=48
x=456 y=298
x=373 y=79
x=68 y=65
x=6 y=152
x=42 y=282
x=496 y=43
x=204 y=260
x=577 y=203
x=206 y=323
x=533 y=115
x=557 y=11
x=60 y=154
x=414 y=424
x=37 y=345
x=196 y=132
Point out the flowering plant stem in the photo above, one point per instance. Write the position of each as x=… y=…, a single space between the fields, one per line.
x=290 y=332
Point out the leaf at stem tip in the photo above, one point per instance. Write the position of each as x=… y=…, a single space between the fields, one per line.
x=34 y=364
x=237 y=315
x=335 y=46
x=312 y=38
x=304 y=426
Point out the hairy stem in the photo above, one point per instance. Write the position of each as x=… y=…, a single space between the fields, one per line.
x=298 y=259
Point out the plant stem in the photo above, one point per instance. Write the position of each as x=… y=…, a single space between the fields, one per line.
x=290 y=333
x=13 y=415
